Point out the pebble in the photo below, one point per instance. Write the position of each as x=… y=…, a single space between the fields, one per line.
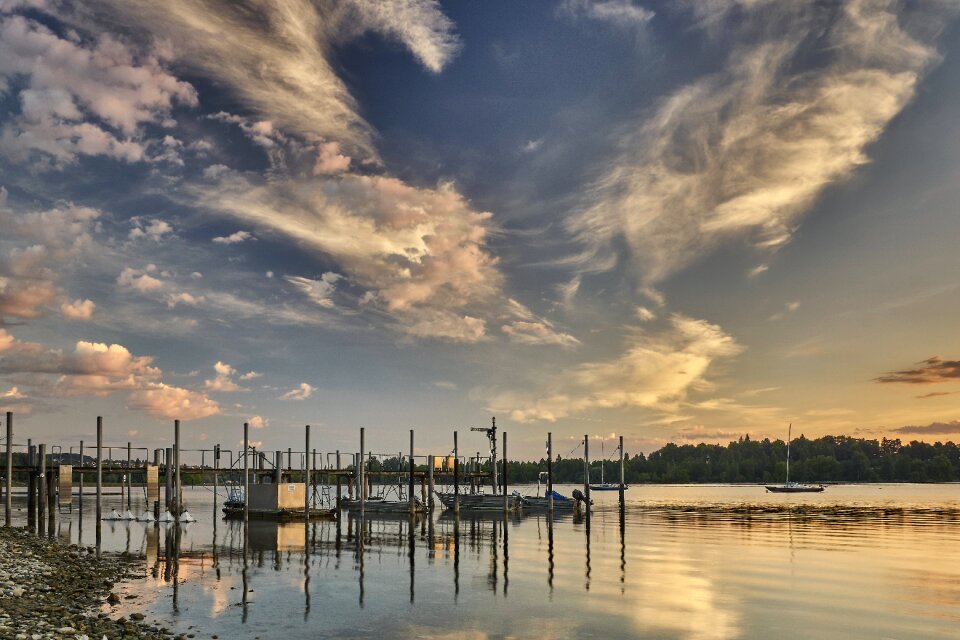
x=52 y=591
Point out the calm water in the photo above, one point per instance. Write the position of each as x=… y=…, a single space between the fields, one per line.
x=878 y=561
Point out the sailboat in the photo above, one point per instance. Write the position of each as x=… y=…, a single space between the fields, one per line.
x=605 y=486
x=793 y=487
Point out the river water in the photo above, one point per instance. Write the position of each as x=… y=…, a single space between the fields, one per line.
x=692 y=561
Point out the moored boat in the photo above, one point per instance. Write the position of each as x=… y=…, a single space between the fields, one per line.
x=793 y=487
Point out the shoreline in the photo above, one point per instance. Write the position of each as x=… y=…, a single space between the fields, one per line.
x=52 y=590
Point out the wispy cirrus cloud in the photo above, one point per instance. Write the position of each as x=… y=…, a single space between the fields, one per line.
x=933 y=370
x=745 y=152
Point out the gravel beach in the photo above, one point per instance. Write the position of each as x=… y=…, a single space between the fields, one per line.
x=52 y=590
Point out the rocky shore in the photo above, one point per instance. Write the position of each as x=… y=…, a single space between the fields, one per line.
x=52 y=590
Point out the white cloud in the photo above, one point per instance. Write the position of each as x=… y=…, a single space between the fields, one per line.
x=223 y=381
x=78 y=309
x=418 y=24
x=644 y=315
x=165 y=401
x=654 y=372
x=329 y=160
x=444 y=325
x=302 y=392
x=251 y=375
x=234 y=238
x=746 y=151
x=258 y=422
x=319 y=291
x=153 y=230
x=622 y=13
x=419 y=252
x=76 y=96
x=138 y=280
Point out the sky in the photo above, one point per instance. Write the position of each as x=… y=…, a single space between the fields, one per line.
x=672 y=221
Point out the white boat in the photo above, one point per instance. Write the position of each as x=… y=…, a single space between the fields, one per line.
x=793 y=487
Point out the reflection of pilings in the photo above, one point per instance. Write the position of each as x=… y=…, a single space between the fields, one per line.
x=363 y=482
x=506 y=529
x=623 y=550
x=622 y=504
x=550 y=553
x=456 y=554
x=306 y=555
x=307 y=485
x=412 y=543
x=586 y=585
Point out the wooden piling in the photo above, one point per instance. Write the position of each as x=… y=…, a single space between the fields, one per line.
x=246 y=479
x=586 y=471
x=177 y=480
x=216 y=473
x=99 y=468
x=410 y=497
x=277 y=467
x=622 y=504
x=363 y=483
x=129 y=477
x=53 y=480
x=456 y=476
x=306 y=479
x=506 y=497
x=550 y=470
x=339 y=489
x=8 y=480
x=431 y=461
x=31 y=481
x=42 y=486
x=80 y=479
x=168 y=478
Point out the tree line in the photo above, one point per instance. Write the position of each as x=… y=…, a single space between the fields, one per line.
x=825 y=459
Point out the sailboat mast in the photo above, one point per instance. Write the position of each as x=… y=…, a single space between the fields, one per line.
x=789 y=434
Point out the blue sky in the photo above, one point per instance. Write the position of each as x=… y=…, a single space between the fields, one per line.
x=671 y=221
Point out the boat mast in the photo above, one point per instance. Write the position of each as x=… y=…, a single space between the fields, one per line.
x=789 y=431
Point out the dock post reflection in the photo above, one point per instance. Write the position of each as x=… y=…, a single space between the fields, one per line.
x=587 y=569
x=456 y=554
x=306 y=569
x=550 y=552
x=412 y=548
x=506 y=539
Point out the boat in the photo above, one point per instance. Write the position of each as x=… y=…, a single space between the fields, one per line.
x=560 y=501
x=605 y=486
x=377 y=504
x=793 y=487
x=483 y=501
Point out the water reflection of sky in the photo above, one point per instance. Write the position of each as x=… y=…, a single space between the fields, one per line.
x=689 y=562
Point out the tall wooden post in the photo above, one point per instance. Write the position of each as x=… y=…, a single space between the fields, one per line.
x=622 y=505
x=431 y=462
x=129 y=477
x=246 y=476
x=177 y=480
x=99 y=468
x=216 y=479
x=168 y=478
x=456 y=476
x=42 y=486
x=410 y=497
x=8 y=481
x=586 y=471
x=363 y=480
x=339 y=489
x=306 y=480
x=550 y=470
x=506 y=497
x=278 y=467
x=32 y=481
x=156 y=503
x=80 y=479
